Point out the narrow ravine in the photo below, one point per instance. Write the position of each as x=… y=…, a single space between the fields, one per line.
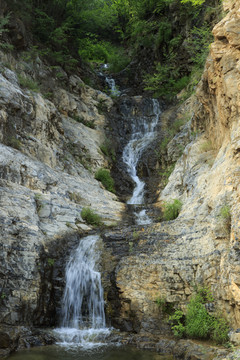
x=82 y=320
x=140 y=118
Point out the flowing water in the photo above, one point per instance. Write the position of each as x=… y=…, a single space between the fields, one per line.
x=112 y=86
x=83 y=317
x=83 y=333
x=142 y=134
x=110 y=82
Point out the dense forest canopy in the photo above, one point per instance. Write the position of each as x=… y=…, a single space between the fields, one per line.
x=174 y=34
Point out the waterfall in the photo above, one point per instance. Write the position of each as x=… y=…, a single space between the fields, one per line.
x=142 y=134
x=83 y=316
x=112 y=85
x=110 y=82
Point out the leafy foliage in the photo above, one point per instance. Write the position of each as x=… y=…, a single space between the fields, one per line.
x=91 y=217
x=171 y=209
x=165 y=82
x=176 y=319
x=165 y=173
x=194 y=2
x=115 y=31
x=198 y=323
x=104 y=176
x=198 y=44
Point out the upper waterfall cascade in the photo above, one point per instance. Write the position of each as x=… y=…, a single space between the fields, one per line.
x=142 y=134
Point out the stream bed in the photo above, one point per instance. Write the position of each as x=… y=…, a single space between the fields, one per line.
x=104 y=353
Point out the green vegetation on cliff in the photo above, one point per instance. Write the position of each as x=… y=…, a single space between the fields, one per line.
x=104 y=176
x=169 y=39
x=198 y=323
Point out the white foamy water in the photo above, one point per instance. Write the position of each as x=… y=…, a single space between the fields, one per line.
x=83 y=338
x=143 y=133
x=142 y=218
x=83 y=317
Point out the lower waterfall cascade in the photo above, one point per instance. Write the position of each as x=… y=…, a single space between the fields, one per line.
x=83 y=317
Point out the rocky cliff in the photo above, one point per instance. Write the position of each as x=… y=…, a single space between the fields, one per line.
x=201 y=247
x=48 y=159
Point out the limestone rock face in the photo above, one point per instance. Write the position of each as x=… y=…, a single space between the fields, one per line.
x=47 y=166
x=201 y=247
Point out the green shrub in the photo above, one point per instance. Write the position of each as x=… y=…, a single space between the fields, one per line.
x=91 y=217
x=198 y=44
x=3 y=22
x=220 y=330
x=104 y=176
x=177 y=320
x=94 y=50
x=198 y=323
x=171 y=209
x=91 y=49
x=101 y=106
x=118 y=60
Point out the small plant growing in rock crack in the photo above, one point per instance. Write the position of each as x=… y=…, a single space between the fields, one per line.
x=28 y=83
x=225 y=217
x=130 y=243
x=104 y=176
x=171 y=209
x=206 y=146
x=3 y=295
x=14 y=143
x=38 y=199
x=88 y=123
x=136 y=235
x=51 y=261
x=91 y=217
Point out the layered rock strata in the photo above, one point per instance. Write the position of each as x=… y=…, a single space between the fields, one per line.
x=48 y=158
x=201 y=247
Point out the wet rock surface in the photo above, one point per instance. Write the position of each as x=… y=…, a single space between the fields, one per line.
x=19 y=337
